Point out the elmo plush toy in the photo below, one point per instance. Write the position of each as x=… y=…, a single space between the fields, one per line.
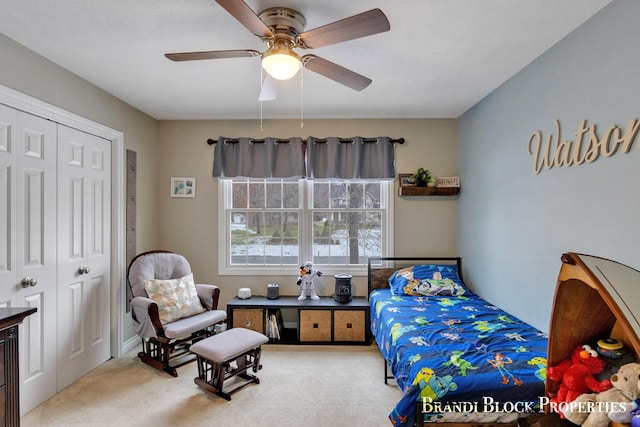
x=576 y=376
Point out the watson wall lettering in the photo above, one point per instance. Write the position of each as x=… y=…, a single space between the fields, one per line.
x=587 y=146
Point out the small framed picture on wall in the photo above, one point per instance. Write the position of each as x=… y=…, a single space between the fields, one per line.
x=406 y=180
x=183 y=187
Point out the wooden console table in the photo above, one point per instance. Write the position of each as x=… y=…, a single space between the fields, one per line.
x=322 y=321
x=10 y=318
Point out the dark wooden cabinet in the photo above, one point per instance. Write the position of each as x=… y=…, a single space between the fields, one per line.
x=323 y=321
x=10 y=318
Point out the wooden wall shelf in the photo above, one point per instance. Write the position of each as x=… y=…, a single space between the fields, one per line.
x=428 y=191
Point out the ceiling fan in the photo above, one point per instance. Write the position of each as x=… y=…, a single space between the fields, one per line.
x=282 y=29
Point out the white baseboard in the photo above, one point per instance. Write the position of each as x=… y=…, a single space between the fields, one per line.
x=130 y=344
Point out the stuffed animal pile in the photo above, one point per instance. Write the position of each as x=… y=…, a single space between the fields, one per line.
x=615 y=404
x=577 y=375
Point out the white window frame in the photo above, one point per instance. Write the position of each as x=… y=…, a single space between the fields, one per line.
x=306 y=238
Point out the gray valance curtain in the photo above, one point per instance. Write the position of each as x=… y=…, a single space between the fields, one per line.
x=259 y=158
x=350 y=158
x=328 y=158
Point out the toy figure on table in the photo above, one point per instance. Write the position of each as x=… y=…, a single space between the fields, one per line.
x=305 y=281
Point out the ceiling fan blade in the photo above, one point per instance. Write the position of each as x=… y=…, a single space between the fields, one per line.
x=354 y=27
x=269 y=89
x=211 y=54
x=247 y=17
x=335 y=72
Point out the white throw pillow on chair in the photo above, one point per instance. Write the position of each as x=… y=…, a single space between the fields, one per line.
x=176 y=298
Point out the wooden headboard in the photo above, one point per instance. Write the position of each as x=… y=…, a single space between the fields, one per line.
x=380 y=268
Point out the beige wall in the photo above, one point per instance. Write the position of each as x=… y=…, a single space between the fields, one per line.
x=423 y=225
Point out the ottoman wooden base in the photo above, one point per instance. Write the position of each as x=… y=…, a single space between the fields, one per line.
x=229 y=354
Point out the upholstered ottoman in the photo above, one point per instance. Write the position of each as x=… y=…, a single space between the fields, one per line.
x=226 y=355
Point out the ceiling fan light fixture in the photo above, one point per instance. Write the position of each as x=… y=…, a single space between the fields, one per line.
x=283 y=30
x=281 y=64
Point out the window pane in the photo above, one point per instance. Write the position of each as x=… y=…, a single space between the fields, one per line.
x=274 y=195
x=372 y=195
x=354 y=223
x=255 y=224
x=256 y=195
x=290 y=242
x=256 y=251
x=239 y=237
x=282 y=248
x=356 y=195
x=320 y=224
x=320 y=194
x=290 y=230
x=291 y=195
x=239 y=194
x=372 y=235
x=338 y=195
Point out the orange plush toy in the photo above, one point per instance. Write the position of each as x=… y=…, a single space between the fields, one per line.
x=576 y=376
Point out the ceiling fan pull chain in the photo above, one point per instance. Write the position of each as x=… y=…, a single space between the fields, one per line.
x=261 y=102
x=302 y=98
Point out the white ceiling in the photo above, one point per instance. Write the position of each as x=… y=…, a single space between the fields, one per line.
x=439 y=58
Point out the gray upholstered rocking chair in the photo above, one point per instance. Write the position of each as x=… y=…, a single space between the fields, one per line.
x=170 y=312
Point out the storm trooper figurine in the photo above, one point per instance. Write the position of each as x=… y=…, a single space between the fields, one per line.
x=305 y=280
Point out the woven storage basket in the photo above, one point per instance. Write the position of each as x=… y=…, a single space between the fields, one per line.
x=348 y=325
x=249 y=318
x=315 y=325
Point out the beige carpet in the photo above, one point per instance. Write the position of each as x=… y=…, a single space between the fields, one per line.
x=299 y=386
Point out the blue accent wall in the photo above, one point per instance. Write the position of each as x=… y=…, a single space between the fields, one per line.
x=513 y=224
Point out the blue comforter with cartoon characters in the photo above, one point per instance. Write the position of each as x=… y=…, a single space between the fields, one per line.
x=458 y=349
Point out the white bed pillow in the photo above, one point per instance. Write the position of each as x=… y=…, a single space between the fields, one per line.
x=427 y=280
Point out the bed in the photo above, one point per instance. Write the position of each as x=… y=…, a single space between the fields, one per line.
x=457 y=358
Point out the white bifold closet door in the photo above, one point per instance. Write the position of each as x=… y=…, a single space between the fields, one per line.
x=84 y=230
x=28 y=245
x=55 y=225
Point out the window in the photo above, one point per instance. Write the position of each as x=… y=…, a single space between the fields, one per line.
x=271 y=226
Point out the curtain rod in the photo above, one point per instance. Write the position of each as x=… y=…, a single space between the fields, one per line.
x=211 y=141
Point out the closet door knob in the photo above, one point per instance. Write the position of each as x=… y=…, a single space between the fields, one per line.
x=83 y=270
x=28 y=281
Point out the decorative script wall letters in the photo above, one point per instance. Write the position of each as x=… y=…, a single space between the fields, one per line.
x=587 y=147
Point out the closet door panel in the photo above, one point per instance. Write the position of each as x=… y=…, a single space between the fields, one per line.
x=8 y=118
x=34 y=160
x=84 y=192
x=5 y=224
